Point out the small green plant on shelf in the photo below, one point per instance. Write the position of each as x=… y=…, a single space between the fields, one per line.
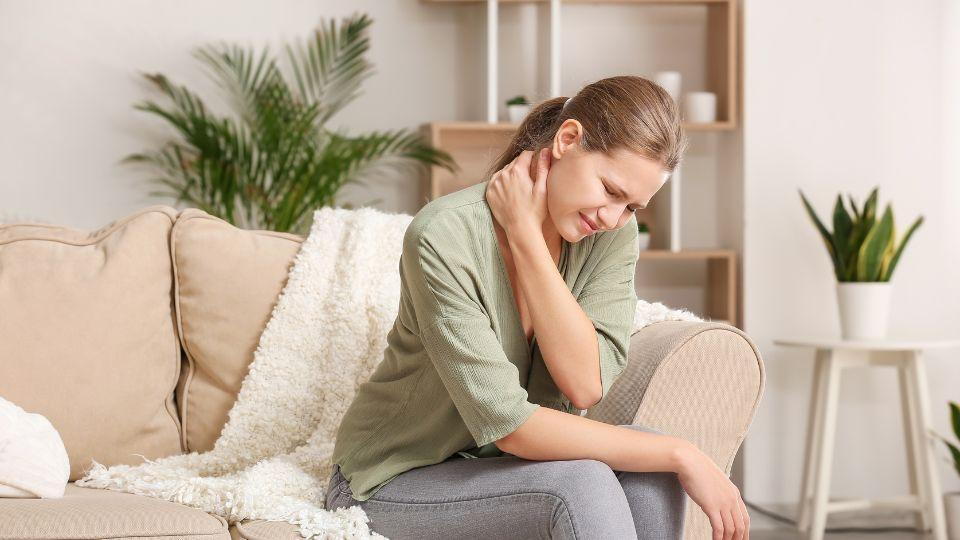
x=861 y=247
x=642 y=227
x=518 y=100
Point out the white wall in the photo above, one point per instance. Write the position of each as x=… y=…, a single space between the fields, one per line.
x=69 y=78
x=838 y=95
x=842 y=96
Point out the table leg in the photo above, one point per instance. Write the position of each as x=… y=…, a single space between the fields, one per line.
x=830 y=377
x=910 y=437
x=812 y=439
x=926 y=458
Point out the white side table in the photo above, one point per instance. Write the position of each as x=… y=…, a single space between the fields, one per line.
x=831 y=356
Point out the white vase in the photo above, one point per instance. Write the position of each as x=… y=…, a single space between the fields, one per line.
x=644 y=240
x=951 y=506
x=516 y=113
x=864 y=309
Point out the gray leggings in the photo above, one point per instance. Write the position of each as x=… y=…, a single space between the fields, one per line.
x=511 y=497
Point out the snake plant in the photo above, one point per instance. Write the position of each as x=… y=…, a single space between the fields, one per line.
x=275 y=161
x=861 y=247
x=955 y=424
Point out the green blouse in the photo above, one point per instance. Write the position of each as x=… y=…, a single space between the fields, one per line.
x=458 y=372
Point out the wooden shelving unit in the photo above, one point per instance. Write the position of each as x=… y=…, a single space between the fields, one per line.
x=721 y=48
x=476 y=144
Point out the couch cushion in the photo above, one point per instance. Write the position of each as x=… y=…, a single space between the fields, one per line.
x=99 y=513
x=227 y=281
x=259 y=529
x=88 y=336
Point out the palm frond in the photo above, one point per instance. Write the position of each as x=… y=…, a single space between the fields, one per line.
x=330 y=66
x=274 y=162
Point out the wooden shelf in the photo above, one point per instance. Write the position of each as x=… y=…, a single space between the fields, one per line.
x=722 y=71
x=686 y=254
x=721 y=285
x=474 y=145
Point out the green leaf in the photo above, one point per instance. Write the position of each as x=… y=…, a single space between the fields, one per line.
x=853 y=205
x=874 y=245
x=955 y=453
x=896 y=254
x=842 y=227
x=955 y=418
x=824 y=234
x=329 y=67
x=870 y=207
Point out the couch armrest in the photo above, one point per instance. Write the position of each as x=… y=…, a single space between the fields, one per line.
x=700 y=381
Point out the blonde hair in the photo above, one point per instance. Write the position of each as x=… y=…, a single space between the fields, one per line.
x=622 y=112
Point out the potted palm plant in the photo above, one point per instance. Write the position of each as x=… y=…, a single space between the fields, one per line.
x=864 y=252
x=276 y=160
x=951 y=500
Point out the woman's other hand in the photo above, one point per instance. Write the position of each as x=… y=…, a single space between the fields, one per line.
x=517 y=193
x=720 y=500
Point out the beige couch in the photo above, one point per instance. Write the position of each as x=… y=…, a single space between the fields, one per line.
x=133 y=340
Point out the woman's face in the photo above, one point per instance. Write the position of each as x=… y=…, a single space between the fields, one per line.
x=602 y=189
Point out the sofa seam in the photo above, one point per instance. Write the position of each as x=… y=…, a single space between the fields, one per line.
x=181 y=404
x=117 y=223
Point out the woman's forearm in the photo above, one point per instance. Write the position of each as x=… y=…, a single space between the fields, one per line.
x=550 y=434
x=565 y=335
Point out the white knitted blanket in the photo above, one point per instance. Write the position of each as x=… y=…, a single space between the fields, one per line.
x=325 y=336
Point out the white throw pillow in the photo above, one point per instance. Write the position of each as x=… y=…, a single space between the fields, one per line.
x=33 y=460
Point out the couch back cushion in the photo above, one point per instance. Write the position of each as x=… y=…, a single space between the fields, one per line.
x=88 y=335
x=227 y=281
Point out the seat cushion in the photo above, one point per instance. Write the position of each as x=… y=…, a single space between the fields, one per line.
x=88 y=336
x=98 y=513
x=259 y=529
x=227 y=281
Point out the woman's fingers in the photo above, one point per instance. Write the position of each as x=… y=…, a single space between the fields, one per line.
x=717 y=524
x=738 y=520
x=746 y=519
x=729 y=526
x=543 y=164
x=523 y=160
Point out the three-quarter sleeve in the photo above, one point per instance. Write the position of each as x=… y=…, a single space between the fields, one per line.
x=610 y=300
x=440 y=276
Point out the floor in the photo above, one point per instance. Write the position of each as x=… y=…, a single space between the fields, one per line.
x=847 y=526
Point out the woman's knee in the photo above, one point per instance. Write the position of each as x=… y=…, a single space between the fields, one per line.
x=583 y=478
x=592 y=500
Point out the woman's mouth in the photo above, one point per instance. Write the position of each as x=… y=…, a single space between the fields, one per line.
x=586 y=225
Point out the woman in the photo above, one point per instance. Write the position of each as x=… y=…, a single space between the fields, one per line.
x=515 y=315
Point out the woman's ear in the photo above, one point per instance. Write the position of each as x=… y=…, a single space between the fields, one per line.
x=568 y=136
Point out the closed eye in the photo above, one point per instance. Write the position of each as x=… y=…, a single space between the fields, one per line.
x=616 y=195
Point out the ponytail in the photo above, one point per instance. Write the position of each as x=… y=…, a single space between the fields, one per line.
x=622 y=112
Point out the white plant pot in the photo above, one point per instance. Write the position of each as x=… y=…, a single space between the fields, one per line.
x=951 y=506
x=644 y=240
x=864 y=309
x=516 y=113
